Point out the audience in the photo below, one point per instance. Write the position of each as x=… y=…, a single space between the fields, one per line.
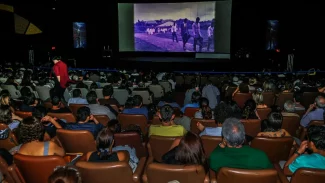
x=7 y=117
x=168 y=99
x=194 y=102
x=57 y=106
x=249 y=111
x=65 y=174
x=212 y=93
x=77 y=97
x=289 y=109
x=205 y=111
x=272 y=126
x=96 y=108
x=314 y=112
x=108 y=92
x=137 y=107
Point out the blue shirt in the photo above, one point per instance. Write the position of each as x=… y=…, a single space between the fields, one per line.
x=317 y=114
x=77 y=100
x=212 y=93
x=194 y=105
x=14 y=124
x=91 y=127
x=212 y=131
x=142 y=110
x=314 y=160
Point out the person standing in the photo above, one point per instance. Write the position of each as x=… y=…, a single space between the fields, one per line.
x=197 y=35
x=210 y=35
x=291 y=57
x=60 y=70
x=174 y=31
x=31 y=55
x=185 y=34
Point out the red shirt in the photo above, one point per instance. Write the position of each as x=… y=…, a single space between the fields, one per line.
x=61 y=69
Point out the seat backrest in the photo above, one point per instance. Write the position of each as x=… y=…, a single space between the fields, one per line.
x=43 y=92
x=291 y=124
x=226 y=175
x=121 y=95
x=23 y=114
x=308 y=98
x=11 y=141
x=157 y=90
x=159 y=145
x=146 y=98
x=190 y=111
x=99 y=92
x=282 y=98
x=4 y=170
x=76 y=141
x=268 y=98
x=37 y=168
x=163 y=173
x=101 y=172
x=276 y=148
x=241 y=98
x=102 y=119
x=263 y=112
x=135 y=119
x=14 y=93
x=252 y=126
x=210 y=143
x=69 y=117
x=311 y=175
x=131 y=139
x=204 y=122
x=74 y=108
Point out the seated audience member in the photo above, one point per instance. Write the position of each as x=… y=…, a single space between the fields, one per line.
x=108 y=92
x=272 y=127
x=9 y=118
x=168 y=127
x=314 y=112
x=205 y=111
x=93 y=86
x=258 y=98
x=249 y=111
x=129 y=103
x=195 y=101
x=96 y=108
x=168 y=100
x=85 y=121
x=5 y=99
x=137 y=107
x=289 y=109
x=315 y=145
x=189 y=93
x=233 y=154
x=222 y=112
x=65 y=174
x=297 y=96
x=29 y=103
x=236 y=111
x=31 y=134
x=57 y=106
x=242 y=88
x=76 y=98
x=212 y=93
x=187 y=151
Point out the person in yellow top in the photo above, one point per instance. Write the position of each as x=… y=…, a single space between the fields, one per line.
x=167 y=128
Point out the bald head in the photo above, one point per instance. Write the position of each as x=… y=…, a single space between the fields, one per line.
x=233 y=132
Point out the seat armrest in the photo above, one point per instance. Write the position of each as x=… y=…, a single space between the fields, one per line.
x=15 y=174
x=144 y=176
x=207 y=178
x=138 y=172
x=213 y=176
x=281 y=176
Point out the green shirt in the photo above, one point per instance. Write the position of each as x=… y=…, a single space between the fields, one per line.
x=242 y=158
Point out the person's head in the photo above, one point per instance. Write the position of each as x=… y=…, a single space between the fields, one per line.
x=174 y=23
x=243 y=88
x=190 y=150
x=5 y=99
x=108 y=91
x=114 y=126
x=205 y=109
x=166 y=114
x=56 y=59
x=233 y=132
x=56 y=101
x=76 y=93
x=93 y=86
x=92 y=97
x=249 y=108
x=83 y=114
x=155 y=81
x=197 y=19
x=129 y=103
x=5 y=114
x=29 y=99
x=236 y=111
x=196 y=97
x=274 y=122
x=30 y=129
x=289 y=106
x=185 y=20
x=268 y=86
x=258 y=98
x=297 y=96
x=320 y=102
x=137 y=100
x=222 y=112
x=65 y=174
x=316 y=138
x=104 y=142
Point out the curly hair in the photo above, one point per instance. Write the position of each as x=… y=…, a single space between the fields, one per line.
x=30 y=129
x=5 y=114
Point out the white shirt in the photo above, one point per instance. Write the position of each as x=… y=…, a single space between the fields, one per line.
x=174 y=28
x=210 y=31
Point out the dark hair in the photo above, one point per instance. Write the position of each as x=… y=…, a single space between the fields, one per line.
x=243 y=88
x=30 y=129
x=205 y=109
x=137 y=100
x=56 y=58
x=222 y=112
x=249 y=109
x=185 y=20
x=236 y=111
x=55 y=100
x=166 y=113
x=65 y=174
x=297 y=96
x=265 y=125
x=275 y=121
x=29 y=99
x=129 y=103
x=76 y=93
x=5 y=114
x=5 y=154
x=168 y=98
x=93 y=86
x=108 y=90
x=83 y=113
x=196 y=97
x=91 y=97
x=104 y=141
x=114 y=126
x=316 y=134
x=25 y=91
x=190 y=151
x=197 y=19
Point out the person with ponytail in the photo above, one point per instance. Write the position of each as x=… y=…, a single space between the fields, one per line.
x=104 y=153
x=205 y=111
x=249 y=111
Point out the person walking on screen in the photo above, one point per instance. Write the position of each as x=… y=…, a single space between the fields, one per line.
x=174 y=32
x=185 y=34
x=197 y=35
x=210 y=35
x=61 y=79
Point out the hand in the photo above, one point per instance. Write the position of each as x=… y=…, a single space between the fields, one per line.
x=200 y=126
x=223 y=144
x=47 y=119
x=91 y=117
x=303 y=147
x=312 y=106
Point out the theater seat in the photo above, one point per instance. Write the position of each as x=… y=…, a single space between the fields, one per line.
x=158 y=146
x=304 y=175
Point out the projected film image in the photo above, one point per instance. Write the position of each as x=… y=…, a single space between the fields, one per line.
x=174 y=27
x=272 y=35
x=79 y=35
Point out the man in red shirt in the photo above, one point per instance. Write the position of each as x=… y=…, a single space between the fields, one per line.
x=60 y=70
